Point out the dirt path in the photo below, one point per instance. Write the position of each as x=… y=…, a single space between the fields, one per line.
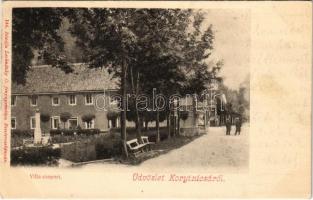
x=213 y=150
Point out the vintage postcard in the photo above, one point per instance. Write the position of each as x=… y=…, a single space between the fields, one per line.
x=155 y=99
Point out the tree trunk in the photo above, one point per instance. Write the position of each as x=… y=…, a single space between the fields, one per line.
x=135 y=91
x=168 y=125
x=195 y=115
x=158 y=125
x=174 y=125
x=178 y=119
x=146 y=125
x=138 y=126
x=123 y=112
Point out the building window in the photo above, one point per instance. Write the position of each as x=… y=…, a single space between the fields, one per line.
x=13 y=123
x=13 y=100
x=32 y=122
x=88 y=99
x=90 y=125
x=33 y=100
x=73 y=123
x=55 y=122
x=72 y=100
x=55 y=101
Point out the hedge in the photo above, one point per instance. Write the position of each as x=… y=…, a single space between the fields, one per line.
x=91 y=149
x=70 y=138
x=22 y=133
x=70 y=132
x=35 y=156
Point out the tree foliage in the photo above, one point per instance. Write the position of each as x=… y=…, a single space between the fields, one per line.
x=164 y=49
x=65 y=116
x=184 y=115
x=36 y=30
x=44 y=117
x=112 y=115
x=88 y=117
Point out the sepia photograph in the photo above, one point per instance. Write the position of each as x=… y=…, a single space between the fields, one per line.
x=147 y=87
x=156 y=99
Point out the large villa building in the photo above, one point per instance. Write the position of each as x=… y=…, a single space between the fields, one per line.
x=51 y=92
x=86 y=91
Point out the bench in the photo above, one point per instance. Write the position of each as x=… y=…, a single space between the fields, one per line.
x=136 y=148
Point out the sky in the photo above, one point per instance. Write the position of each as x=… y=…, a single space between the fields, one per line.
x=232 y=43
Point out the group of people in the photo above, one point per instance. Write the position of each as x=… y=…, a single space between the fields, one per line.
x=228 y=124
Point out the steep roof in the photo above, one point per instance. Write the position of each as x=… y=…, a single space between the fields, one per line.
x=48 y=79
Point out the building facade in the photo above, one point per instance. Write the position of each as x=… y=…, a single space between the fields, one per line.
x=52 y=92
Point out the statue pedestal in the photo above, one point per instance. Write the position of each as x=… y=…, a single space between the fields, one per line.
x=37 y=132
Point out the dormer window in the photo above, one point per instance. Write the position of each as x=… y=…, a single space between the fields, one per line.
x=88 y=99
x=33 y=100
x=13 y=100
x=72 y=100
x=55 y=101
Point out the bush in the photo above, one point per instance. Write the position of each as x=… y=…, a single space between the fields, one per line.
x=79 y=151
x=70 y=132
x=88 y=131
x=64 y=117
x=91 y=149
x=44 y=117
x=112 y=115
x=184 y=115
x=35 y=156
x=163 y=136
x=108 y=148
x=88 y=117
x=22 y=133
x=18 y=135
x=70 y=138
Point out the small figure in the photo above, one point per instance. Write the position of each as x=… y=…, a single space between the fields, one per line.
x=228 y=124
x=238 y=123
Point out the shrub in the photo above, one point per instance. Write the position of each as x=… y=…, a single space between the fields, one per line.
x=88 y=132
x=91 y=148
x=18 y=135
x=163 y=136
x=88 y=118
x=79 y=151
x=108 y=149
x=35 y=156
x=112 y=115
x=68 y=138
x=22 y=133
x=70 y=132
x=184 y=115
x=44 y=117
x=64 y=117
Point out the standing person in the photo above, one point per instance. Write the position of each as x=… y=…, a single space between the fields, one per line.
x=238 y=124
x=228 y=124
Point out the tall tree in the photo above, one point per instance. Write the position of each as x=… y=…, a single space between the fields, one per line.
x=137 y=42
x=36 y=30
x=146 y=48
x=108 y=41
